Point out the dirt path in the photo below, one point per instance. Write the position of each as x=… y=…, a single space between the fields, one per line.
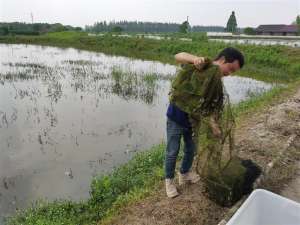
x=292 y=189
x=260 y=138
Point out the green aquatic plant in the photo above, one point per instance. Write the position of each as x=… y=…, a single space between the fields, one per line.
x=201 y=94
x=133 y=85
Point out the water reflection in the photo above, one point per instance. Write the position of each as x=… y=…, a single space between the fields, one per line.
x=241 y=88
x=85 y=76
x=66 y=115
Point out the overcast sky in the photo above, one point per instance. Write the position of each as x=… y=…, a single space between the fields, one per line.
x=200 y=12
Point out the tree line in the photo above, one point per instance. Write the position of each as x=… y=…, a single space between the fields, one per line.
x=33 y=28
x=126 y=26
x=150 y=27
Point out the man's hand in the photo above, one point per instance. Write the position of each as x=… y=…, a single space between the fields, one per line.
x=186 y=58
x=199 y=62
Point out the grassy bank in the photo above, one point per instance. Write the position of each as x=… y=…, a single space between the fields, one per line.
x=268 y=63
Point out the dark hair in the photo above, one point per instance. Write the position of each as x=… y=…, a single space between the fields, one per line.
x=230 y=54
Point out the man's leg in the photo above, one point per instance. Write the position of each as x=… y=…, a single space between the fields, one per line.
x=185 y=174
x=174 y=133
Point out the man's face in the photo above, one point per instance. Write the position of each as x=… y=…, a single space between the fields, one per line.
x=228 y=68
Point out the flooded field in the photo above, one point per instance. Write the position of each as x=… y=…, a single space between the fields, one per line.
x=291 y=43
x=67 y=115
x=256 y=41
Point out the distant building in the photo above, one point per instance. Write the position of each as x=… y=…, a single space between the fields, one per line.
x=277 y=29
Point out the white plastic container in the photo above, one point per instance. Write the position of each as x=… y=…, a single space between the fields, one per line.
x=266 y=208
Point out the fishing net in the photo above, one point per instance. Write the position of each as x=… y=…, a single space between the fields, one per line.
x=200 y=93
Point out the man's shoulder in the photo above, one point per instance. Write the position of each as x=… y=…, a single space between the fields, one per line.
x=210 y=72
x=208 y=67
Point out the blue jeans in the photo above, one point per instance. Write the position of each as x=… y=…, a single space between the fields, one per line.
x=174 y=134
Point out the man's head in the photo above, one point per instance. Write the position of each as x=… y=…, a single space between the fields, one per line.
x=229 y=60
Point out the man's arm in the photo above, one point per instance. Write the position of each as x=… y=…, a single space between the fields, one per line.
x=186 y=58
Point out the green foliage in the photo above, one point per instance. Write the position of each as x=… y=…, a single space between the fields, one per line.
x=298 y=23
x=249 y=31
x=66 y=35
x=4 y=30
x=57 y=212
x=117 y=29
x=23 y=32
x=298 y=20
x=198 y=36
x=146 y=27
x=184 y=27
x=225 y=186
x=37 y=27
x=17 y=28
x=107 y=188
x=231 y=23
x=58 y=28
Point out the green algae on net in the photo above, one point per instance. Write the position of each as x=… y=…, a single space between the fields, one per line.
x=200 y=93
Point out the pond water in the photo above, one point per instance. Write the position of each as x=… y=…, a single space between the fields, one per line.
x=67 y=115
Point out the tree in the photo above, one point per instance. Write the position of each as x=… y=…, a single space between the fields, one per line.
x=249 y=31
x=298 y=24
x=36 y=27
x=149 y=27
x=231 y=23
x=117 y=29
x=184 y=27
x=4 y=30
x=57 y=27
